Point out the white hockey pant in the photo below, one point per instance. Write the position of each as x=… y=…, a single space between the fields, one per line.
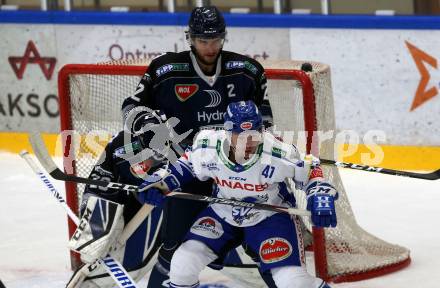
x=187 y=263
x=294 y=277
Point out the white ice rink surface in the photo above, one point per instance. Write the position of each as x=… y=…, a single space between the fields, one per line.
x=33 y=231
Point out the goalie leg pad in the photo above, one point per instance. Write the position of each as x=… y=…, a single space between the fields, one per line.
x=101 y=223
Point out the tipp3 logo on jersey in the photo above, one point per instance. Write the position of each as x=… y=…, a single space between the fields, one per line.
x=424 y=92
x=172 y=67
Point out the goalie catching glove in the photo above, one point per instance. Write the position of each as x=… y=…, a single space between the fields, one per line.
x=321 y=197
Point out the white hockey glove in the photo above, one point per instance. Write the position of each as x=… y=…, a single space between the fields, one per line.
x=303 y=169
x=98 y=229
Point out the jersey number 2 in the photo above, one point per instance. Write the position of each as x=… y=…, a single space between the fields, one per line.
x=268 y=171
x=231 y=90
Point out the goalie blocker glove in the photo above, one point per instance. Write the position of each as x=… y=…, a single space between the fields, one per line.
x=321 y=197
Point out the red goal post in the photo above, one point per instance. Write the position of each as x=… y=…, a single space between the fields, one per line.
x=90 y=99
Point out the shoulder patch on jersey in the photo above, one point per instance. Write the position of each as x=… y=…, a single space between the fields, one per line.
x=242 y=64
x=251 y=67
x=234 y=64
x=185 y=91
x=129 y=148
x=171 y=67
x=203 y=142
x=277 y=152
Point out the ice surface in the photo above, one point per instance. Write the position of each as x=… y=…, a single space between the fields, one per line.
x=33 y=231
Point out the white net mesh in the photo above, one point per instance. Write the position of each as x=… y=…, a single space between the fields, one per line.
x=95 y=102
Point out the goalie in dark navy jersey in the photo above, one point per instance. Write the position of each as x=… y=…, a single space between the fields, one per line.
x=106 y=212
x=194 y=88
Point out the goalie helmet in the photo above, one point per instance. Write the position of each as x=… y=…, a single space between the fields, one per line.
x=152 y=131
x=243 y=116
x=206 y=22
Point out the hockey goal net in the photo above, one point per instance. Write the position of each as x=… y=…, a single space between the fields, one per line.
x=90 y=101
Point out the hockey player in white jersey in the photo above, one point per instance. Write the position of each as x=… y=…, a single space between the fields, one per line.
x=251 y=165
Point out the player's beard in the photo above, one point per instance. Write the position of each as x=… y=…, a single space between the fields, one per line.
x=204 y=61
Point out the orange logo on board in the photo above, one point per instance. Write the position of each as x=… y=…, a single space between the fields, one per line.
x=423 y=93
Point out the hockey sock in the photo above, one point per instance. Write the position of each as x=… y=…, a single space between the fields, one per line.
x=267 y=278
x=159 y=276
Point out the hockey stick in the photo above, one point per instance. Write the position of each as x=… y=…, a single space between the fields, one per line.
x=113 y=267
x=50 y=166
x=25 y=155
x=238 y=203
x=427 y=176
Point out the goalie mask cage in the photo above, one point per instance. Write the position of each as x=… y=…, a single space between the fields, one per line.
x=90 y=100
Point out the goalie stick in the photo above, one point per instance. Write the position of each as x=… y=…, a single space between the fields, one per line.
x=51 y=168
x=113 y=267
x=435 y=175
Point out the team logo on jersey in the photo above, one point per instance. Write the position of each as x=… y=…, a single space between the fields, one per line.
x=141 y=169
x=185 y=91
x=215 y=96
x=239 y=214
x=207 y=227
x=246 y=125
x=172 y=67
x=274 y=250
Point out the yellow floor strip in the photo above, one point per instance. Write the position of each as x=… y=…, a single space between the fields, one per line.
x=15 y=142
x=425 y=158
